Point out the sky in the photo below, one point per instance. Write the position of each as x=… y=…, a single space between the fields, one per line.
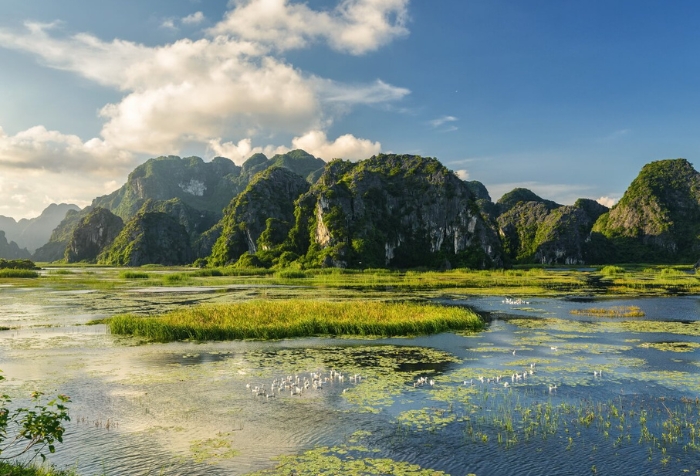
x=567 y=98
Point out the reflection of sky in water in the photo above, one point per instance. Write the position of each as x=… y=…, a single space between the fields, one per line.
x=169 y=406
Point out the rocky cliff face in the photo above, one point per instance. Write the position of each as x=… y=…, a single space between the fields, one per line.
x=392 y=210
x=55 y=249
x=260 y=217
x=658 y=217
x=201 y=185
x=150 y=238
x=11 y=250
x=541 y=231
x=94 y=233
x=298 y=161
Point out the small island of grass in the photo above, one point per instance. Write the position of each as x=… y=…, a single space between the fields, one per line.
x=616 y=311
x=297 y=318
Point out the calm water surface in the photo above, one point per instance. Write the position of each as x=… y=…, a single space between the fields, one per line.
x=185 y=408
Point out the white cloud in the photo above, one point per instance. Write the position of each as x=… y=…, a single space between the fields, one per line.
x=346 y=147
x=193 y=19
x=607 y=201
x=40 y=149
x=223 y=92
x=195 y=91
x=354 y=26
x=462 y=174
x=441 y=120
x=168 y=24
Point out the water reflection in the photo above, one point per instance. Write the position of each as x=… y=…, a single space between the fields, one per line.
x=185 y=408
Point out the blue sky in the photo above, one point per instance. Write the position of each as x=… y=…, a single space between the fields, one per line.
x=567 y=98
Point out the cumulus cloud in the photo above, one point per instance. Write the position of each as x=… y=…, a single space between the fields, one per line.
x=168 y=24
x=346 y=147
x=40 y=167
x=40 y=149
x=462 y=174
x=354 y=26
x=195 y=91
x=224 y=92
x=193 y=19
x=607 y=201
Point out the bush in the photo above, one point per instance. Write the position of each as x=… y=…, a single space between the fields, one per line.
x=31 y=428
x=612 y=270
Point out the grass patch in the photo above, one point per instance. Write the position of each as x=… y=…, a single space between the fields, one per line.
x=18 y=273
x=133 y=275
x=18 y=469
x=296 y=318
x=176 y=278
x=616 y=311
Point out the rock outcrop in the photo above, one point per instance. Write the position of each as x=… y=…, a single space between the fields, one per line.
x=658 y=217
x=94 y=233
x=150 y=238
x=260 y=217
x=10 y=250
x=55 y=249
x=392 y=210
x=541 y=231
x=200 y=185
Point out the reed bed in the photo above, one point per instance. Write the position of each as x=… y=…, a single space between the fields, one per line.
x=615 y=311
x=133 y=275
x=18 y=273
x=296 y=318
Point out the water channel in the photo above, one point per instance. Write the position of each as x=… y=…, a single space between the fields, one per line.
x=541 y=391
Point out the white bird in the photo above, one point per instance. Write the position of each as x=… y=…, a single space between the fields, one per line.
x=552 y=387
x=505 y=384
x=554 y=347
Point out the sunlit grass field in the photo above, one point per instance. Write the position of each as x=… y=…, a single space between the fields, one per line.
x=261 y=319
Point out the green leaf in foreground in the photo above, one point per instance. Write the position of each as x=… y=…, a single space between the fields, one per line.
x=297 y=318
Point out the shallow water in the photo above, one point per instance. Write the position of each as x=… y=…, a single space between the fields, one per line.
x=185 y=408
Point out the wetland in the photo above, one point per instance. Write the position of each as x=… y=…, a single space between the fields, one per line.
x=561 y=380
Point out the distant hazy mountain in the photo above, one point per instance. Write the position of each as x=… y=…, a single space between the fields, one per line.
x=35 y=232
x=11 y=250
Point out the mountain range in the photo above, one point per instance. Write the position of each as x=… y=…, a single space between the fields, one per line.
x=386 y=211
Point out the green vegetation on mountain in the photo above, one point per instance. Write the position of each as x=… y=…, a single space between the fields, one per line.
x=201 y=185
x=150 y=238
x=298 y=161
x=391 y=210
x=534 y=232
x=657 y=219
x=259 y=218
x=94 y=232
x=55 y=249
x=522 y=195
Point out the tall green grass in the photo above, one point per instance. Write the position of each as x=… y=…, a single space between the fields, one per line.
x=296 y=318
x=133 y=275
x=18 y=273
x=19 y=469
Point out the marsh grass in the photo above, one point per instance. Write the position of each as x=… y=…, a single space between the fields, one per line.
x=18 y=273
x=19 y=469
x=615 y=311
x=133 y=275
x=296 y=318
